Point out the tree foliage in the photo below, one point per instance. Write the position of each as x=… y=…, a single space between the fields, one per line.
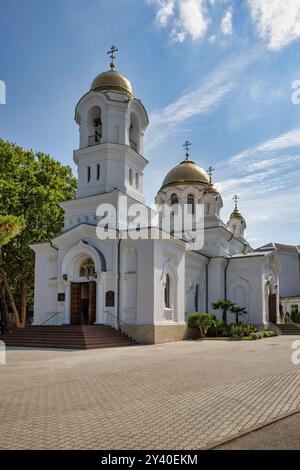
x=224 y=305
x=238 y=311
x=10 y=227
x=31 y=186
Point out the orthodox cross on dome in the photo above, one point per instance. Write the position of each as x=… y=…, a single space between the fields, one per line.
x=210 y=171
x=236 y=200
x=187 y=145
x=111 y=53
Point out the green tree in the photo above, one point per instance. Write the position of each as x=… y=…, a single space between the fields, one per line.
x=239 y=311
x=203 y=321
x=10 y=227
x=31 y=185
x=224 y=305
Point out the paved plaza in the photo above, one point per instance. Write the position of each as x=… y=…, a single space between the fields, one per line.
x=185 y=395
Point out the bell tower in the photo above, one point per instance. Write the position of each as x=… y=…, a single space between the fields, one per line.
x=111 y=123
x=236 y=223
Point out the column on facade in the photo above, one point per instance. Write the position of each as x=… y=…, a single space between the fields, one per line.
x=100 y=301
x=67 y=312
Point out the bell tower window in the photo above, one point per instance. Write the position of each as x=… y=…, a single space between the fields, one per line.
x=191 y=203
x=134 y=133
x=94 y=126
x=174 y=199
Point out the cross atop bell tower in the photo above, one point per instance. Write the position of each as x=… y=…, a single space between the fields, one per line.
x=210 y=171
x=111 y=53
x=235 y=200
x=187 y=145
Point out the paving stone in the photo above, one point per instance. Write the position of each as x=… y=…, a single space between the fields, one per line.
x=173 y=396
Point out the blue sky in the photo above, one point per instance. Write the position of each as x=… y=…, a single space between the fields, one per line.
x=216 y=72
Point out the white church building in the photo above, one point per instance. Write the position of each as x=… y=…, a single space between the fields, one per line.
x=149 y=284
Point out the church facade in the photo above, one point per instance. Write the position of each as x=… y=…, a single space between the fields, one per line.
x=148 y=283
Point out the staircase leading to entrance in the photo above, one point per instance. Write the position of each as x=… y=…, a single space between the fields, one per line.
x=67 y=337
x=289 y=329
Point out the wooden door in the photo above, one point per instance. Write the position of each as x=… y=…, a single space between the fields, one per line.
x=273 y=308
x=92 y=302
x=75 y=303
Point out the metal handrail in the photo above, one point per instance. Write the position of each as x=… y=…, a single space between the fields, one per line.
x=52 y=316
x=119 y=320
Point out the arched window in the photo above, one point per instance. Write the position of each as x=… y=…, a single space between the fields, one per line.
x=87 y=268
x=137 y=180
x=167 y=291
x=196 y=300
x=94 y=126
x=130 y=176
x=98 y=171
x=174 y=199
x=110 y=298
x=191 y=203
x=134 y=133
x=88 y=174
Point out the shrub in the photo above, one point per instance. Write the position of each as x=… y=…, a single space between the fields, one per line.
x=263 y=334
x=237 y=331
x=275 y=330
x=295 y=316
x=218 y=328
x=193 y=321
x=257 y=335
x=203 y=321
x=248 y=329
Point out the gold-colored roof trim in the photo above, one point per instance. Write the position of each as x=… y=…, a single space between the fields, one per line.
x=175 y=183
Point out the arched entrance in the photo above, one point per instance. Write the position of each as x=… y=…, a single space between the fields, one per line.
x=83 y=295
x=83 y=303
x=81 y=270
x=272 y=308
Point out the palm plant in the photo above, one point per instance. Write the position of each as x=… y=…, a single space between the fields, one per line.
x=225 y=305
x=239 y=311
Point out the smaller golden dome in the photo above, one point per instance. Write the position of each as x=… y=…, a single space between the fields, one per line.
x=236 y=215
x=211 y=189
x=187 y=172
x=112 y=81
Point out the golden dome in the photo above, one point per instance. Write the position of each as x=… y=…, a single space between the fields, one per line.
x=211 y=189
x=236 y=215
x=112 y=81
x=187 y=172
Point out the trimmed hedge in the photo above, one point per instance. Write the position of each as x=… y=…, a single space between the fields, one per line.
x=295 y=316
x=263 y=334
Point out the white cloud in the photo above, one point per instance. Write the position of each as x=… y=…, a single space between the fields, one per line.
x=188 y=17
x=226 y=23
x=165 y=11
x=202 y=100
x=192 y=19
x=277 y=21
x=266 y=178
x=283 y=141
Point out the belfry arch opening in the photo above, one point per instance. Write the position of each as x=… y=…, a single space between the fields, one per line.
x=134 y=133
x=94 y=126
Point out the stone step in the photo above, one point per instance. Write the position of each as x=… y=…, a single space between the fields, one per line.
x=67 y=336
x=289 y=329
